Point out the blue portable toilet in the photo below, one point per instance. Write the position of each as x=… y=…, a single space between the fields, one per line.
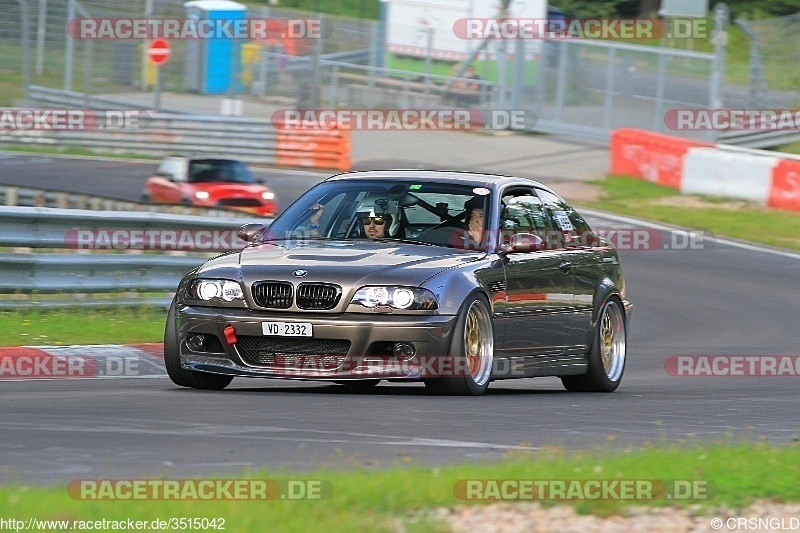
x=213 y=65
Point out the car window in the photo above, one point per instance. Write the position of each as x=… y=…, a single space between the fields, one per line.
x=575 y=229
x=219 y=170
x=172 y=168
x=524 y=212
x=431 y=213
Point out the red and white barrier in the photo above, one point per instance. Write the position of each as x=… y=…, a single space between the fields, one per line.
x=22 y=363
x=759 y=176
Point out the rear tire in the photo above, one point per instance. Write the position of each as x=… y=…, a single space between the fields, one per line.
x=471 y=352
x=608 y=353
x=178 y=374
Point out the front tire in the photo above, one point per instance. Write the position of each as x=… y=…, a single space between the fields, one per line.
x=471 y=352
x=608 y=354
x=172 y=360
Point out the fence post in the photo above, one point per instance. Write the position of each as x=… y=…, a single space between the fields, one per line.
x=561 y=80
x=25 y=21
x=608 y=107
x=720 y=42
x=758 y=92
x=69 y=47
x=658 y=116
x=41 y=33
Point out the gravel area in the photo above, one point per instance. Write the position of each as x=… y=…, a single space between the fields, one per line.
x=532 y=517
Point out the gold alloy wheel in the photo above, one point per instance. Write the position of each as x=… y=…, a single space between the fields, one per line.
x=479 y=343
x=612 y=341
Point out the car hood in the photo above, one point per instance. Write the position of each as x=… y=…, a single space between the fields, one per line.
x=350 y=264
x=226 y=189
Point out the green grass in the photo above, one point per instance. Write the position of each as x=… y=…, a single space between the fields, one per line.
x=111 y=325
x=793 y=148
x=71 y=151
x=382 y=500
x=729 y=218
x=485 y=70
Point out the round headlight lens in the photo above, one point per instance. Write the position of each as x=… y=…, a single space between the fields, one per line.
x=231 y=291
x=377 y=296
x=268 y=195
x=208 y=289
x=402 y=298
x=202 y=195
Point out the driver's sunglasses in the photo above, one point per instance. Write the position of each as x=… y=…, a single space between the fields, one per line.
x=379 y=221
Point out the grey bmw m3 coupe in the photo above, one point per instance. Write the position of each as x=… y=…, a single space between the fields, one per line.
x=453 y=279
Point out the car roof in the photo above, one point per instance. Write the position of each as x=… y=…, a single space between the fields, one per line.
x=452 y=176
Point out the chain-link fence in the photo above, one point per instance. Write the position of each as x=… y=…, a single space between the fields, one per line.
x=598 y=86
x=775 y=47
x=579 y=86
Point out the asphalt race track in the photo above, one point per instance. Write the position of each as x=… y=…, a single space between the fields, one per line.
x=123 y=179
x=724 y=299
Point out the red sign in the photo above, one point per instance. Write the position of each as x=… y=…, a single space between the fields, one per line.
x=159 y=51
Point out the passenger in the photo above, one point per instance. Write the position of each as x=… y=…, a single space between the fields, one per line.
x=475 y=223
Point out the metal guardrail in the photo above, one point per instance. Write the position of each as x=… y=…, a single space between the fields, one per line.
x=759 y=139
x=28 y=197
x=93 y=273
x=41 y=227
x=253 y=141
x=87 y=272
x=62 y=99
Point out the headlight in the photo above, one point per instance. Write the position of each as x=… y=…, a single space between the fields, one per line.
x=222 y=289
x=268 y=195
x=201 y=195
x=411 y=298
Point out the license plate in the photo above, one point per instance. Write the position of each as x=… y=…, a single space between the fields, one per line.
x=287 y=329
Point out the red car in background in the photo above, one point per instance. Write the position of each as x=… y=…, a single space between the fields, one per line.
x=210 y=182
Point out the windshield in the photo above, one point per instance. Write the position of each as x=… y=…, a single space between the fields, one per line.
x=418 y=211
x=219 y=170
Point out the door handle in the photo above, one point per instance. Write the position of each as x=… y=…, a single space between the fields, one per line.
x=566 y=266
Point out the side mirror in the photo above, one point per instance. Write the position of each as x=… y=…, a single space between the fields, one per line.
x=251 y=232
x=523 y=242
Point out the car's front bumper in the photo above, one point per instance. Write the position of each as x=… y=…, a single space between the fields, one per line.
x=429 y=334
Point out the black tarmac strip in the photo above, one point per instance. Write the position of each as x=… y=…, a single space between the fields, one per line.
x=724 y=299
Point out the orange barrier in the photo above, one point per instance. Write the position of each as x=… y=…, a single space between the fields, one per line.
x=650 y=156
x=785 y=191
x=316 y=148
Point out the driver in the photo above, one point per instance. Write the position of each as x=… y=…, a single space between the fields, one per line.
x=378 y=218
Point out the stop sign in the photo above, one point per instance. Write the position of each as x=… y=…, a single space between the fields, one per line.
x=159 y=51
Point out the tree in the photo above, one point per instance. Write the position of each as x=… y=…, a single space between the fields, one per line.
x=747 y=9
